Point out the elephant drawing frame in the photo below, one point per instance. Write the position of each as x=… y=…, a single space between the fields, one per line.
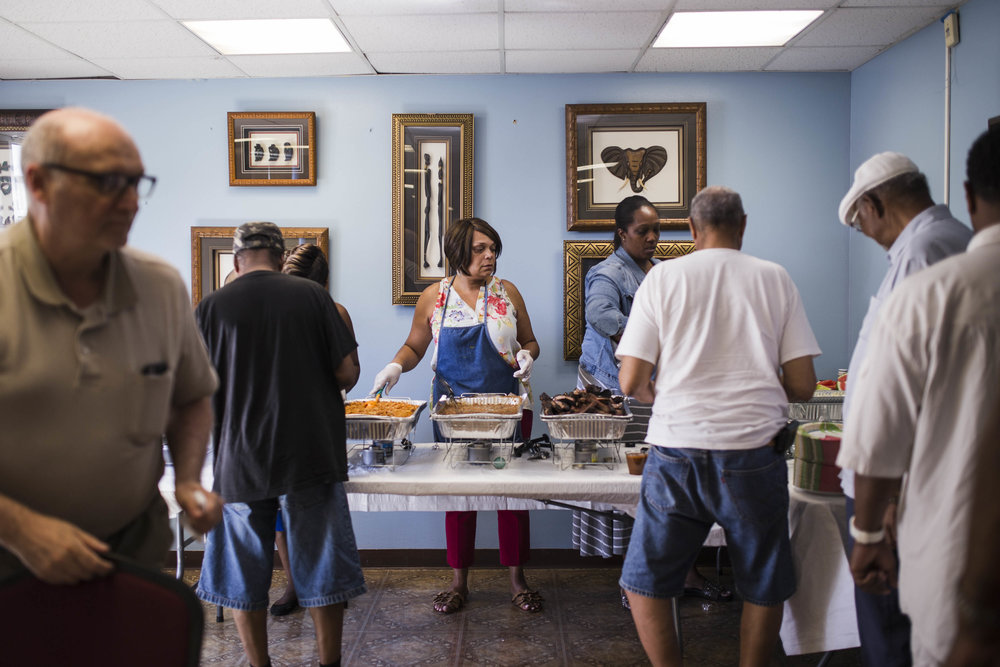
x=617 y=150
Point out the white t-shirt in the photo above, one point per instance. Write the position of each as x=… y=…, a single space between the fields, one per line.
x=921 y=401
x=717 y=324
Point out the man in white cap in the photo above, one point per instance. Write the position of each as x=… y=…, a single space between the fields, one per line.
x=923 y=398
x=890 y=203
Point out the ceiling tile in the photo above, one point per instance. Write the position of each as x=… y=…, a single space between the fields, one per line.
x=56 y=68
x=867 y=27
x=215 y=67
x=660 y=6
x=412 y=7
x=445 y=32
x=244 y=9
x=19 y=44
x=309 y=64
x=126 y=39
x=707 y=60
x=943 y=6
x=822 y=58
x=450 y=62
x=757 y=5
x=78 y=10
x=536 y=62
x=594 y=30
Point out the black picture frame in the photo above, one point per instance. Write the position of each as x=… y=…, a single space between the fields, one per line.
x=432 y=185
x=617 y=150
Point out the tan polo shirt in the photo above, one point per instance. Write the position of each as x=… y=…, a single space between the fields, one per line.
x=85 y=394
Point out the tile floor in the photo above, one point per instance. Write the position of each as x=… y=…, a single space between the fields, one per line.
x=582 y=624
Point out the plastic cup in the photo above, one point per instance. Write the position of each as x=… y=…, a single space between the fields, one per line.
x=635 y=461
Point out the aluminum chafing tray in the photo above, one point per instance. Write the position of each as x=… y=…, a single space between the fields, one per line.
x=373 y=427
x=588 y=425
x=823 y=406
x=478 y=425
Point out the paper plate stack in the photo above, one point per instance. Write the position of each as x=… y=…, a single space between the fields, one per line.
x=816 y=447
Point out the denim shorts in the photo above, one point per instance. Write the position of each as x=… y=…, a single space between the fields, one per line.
x=324 y=562
x=683 y=492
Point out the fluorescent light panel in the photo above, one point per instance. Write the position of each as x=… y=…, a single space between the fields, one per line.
x=711 y=29
x=270 y=36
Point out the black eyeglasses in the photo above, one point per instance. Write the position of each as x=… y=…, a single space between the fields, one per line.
x=111 y=183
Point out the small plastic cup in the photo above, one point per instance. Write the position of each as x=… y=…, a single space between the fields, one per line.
x=635 y=461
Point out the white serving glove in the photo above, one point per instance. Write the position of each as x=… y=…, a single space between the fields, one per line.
x=387 y=377
x=524 y=364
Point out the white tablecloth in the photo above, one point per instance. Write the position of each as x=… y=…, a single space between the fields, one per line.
x=821 y=615
x=433 y=480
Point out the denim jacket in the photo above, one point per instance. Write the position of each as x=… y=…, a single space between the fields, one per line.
x=608 y=292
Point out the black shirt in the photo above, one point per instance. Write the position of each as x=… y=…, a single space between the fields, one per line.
x=276 y=341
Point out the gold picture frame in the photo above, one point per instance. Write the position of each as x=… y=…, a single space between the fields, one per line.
x=432 y=181
x=617 y=150
x=272 y=148
x=578 y=258
x=212 y=254
x=14 y=124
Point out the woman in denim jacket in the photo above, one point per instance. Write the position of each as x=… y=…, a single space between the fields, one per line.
x=609 y=289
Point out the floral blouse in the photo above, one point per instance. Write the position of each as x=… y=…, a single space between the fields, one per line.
x=501 y=317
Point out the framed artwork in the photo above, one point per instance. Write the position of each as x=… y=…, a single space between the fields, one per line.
x=614 y=151
x=432 y=161
x=212 y=254
x=14 y=124
x=272 y=148
x=578 y=258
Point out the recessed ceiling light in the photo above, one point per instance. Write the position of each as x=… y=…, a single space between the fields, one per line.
x=270 y=36
x=771 y=28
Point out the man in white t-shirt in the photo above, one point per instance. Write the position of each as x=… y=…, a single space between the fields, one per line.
x=728 y=339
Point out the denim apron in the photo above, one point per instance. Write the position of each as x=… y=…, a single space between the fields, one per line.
x=469 y=361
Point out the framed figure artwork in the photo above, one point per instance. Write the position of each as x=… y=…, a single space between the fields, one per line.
x=14 y=125
x=272 y=148
x=212 y=254
x=579 y=257
x=614 y=151
x=432 y=170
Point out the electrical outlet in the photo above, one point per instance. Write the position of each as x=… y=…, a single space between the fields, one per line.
x=950 y=29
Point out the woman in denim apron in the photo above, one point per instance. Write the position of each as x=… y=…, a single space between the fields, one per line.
x=483 y=344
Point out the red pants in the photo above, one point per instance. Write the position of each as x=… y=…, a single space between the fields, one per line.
x=512 y=529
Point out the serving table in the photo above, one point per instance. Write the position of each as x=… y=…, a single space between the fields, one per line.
x=819 y=617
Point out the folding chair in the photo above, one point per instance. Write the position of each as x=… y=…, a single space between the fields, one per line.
x=133 y=616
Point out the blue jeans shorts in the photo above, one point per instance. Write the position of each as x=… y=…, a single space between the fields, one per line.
x=322 y=553
x=683 y=492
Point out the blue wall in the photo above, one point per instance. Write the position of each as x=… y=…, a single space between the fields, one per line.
x=897 y=103
x=787 y=142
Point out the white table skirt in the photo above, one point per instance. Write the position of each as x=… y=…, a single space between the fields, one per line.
x=821 y=615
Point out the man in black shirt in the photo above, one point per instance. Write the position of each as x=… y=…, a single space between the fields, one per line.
x=283 y=355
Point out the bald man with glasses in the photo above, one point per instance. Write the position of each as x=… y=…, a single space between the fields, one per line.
x=99 y=358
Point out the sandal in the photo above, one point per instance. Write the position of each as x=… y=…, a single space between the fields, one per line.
x=626 y=605
x=448 y=602
x=710 y=591
x=528 y=600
